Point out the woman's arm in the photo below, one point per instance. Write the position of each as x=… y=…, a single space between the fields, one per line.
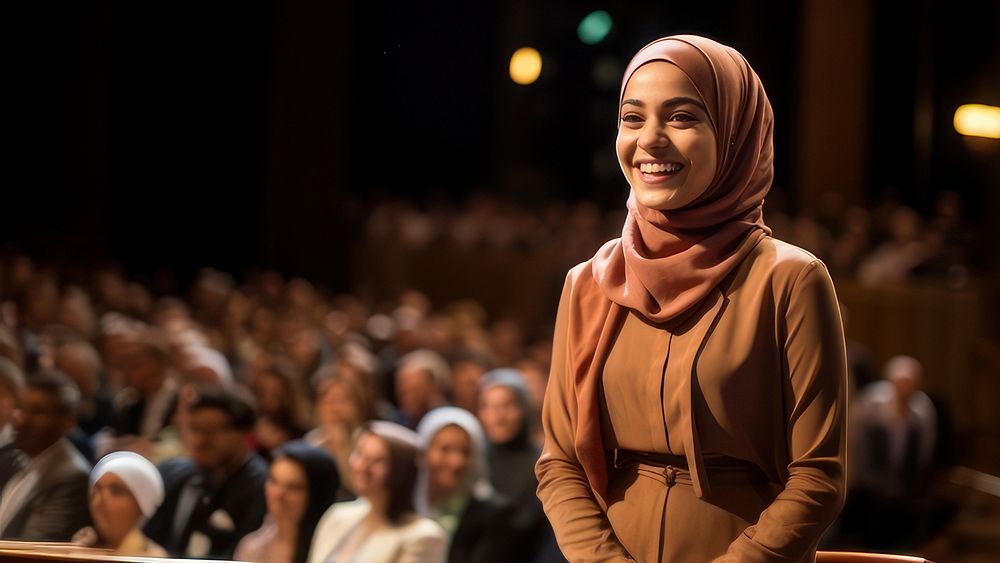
x=580 y=525
x=790 y=528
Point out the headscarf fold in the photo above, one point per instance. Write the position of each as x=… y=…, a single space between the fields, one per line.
x=666 y=262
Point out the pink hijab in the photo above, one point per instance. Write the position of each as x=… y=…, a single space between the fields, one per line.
x=667 y=262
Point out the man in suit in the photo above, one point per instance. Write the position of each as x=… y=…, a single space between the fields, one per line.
x=215 y=496
x=45 y=499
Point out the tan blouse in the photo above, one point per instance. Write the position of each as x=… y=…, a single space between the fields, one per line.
x=758 y=373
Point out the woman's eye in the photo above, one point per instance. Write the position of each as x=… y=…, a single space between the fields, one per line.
x=631 y=118
x=682 y=117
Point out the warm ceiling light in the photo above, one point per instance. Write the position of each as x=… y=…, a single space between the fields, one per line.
x=977 y=120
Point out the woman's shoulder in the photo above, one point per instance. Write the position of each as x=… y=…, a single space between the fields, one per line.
x=781 y=259
x=421 y=527
x=344 y=512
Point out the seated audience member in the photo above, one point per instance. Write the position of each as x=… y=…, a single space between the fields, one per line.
x=895 y=428
x=422 y=382
x=467 y=369
x=454 y=490
x=78 y=359
x=142 y=408
x=283 y=412
x=215 y=496
x=46 y=498
x=301 y=486
x=381 y=526
x=125 y=490
x=343 y=405
x=505 y=412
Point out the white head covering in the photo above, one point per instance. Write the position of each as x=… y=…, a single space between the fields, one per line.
x=431 y=362
x=140 y=476
x=204 y=357
x=477 y=481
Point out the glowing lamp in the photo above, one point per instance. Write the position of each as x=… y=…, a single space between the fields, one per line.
x=977 y=120
x=525 y=65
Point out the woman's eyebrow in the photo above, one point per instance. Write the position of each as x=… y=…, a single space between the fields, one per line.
x=669 y=103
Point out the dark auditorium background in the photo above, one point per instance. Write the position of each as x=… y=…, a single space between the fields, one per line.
x=163 y=138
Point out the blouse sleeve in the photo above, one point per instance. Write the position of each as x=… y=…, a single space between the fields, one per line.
x=816 y=359
x=580 y=525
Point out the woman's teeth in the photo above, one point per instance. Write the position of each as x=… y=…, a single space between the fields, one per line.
x=654 y=168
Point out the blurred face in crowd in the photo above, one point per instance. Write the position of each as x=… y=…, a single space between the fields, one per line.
x=905 y=377
x=501 y=414
x=74 y=362
x=113 y=508
x=447 y=459
x=42 y=421
x=370 y=466
x=212 y=441
x=141 y=368
x=416 y=392
x=465 y=377
x=287 y=490
x=335 y=406
x=666 y=145
x=271 y=393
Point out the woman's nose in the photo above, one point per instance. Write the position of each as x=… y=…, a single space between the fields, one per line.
x=653 y=136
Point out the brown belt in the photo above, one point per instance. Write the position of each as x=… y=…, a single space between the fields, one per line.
x=623 y=457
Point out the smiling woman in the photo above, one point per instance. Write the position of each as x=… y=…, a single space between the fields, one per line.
x=695 y=407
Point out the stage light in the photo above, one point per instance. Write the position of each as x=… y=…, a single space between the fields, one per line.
x=977 y=120
x=525 y=65
x=594 y=27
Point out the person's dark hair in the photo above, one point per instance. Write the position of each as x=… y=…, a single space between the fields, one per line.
x=402 y=475
x=59 y=386
x=235 y=402
x=324 y=481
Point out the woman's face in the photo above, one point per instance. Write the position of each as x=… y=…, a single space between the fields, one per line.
x=666 y=145
x=448 y=458
x=287 y=490
x=113 y=508
x=370 y=465
x=336 y=407
x=501 y=414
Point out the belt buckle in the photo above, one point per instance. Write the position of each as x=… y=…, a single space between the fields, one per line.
x=671 y=474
